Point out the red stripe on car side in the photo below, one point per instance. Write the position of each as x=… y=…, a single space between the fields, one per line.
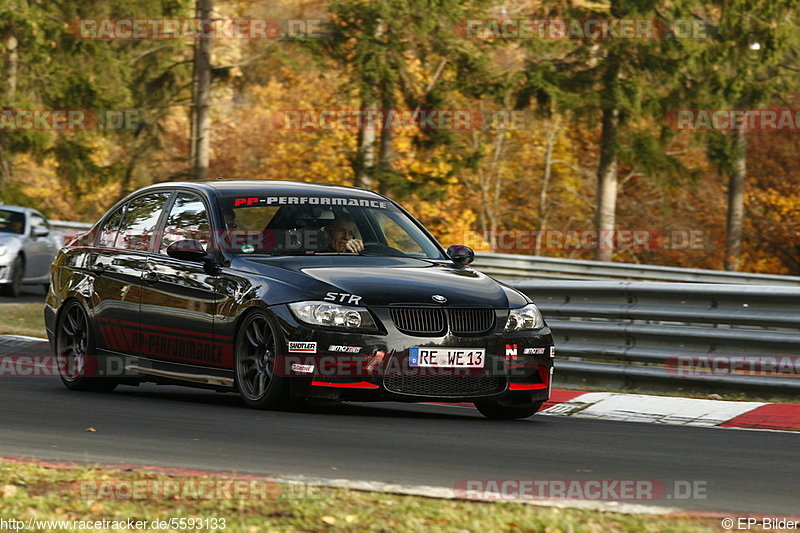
x=163 y=328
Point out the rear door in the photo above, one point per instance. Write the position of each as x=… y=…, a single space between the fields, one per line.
x=116 y=265
x=179 y=300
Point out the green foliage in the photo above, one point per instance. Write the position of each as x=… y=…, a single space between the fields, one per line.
x=409 y=55
x=59 y=70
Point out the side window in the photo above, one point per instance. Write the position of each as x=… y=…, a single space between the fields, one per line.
x=12 y=222
x=108 y=233
x=188 y=219
x=140 y=221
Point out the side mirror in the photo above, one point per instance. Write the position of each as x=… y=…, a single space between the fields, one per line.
x=461 y=254
x=188 y=250
x=40 y=232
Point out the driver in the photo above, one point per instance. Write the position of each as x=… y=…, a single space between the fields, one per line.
x=340 y=235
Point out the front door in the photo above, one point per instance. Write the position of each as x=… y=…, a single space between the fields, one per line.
x=179 y=301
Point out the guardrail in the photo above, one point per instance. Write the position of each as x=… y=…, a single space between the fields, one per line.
x=66 y=230
x=632 y=333
x=682 y=335
x=520 y=267
x=65 y=225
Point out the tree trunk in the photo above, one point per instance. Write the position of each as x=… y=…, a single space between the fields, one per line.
x=201 y=120
x=548 y=172
x=365 y=157
x=12 y=62
x=606 y=201
x=733 y=240
x=386 y=152
x=491 y=188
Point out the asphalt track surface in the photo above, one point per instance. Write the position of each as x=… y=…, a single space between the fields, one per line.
x=742 y=471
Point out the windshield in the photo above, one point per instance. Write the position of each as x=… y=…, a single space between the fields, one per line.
x=321 y=225
x=12 y=222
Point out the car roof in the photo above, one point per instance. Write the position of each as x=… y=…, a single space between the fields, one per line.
x=278 y=187
x=18 y=208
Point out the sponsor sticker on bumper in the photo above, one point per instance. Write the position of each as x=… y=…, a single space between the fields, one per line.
x=534 y=351
x=304 y=369
x=302 y=347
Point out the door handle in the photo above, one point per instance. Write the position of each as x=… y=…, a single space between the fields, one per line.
x=98 y=268
x=150 y=277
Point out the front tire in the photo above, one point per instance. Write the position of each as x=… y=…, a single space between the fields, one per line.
x=14 y=286
x=75 y=351
x=498 y=410
x=257 y=358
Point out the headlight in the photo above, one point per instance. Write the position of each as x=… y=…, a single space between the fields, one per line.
x=332 y=315
x=3 y=250
x=524 y=318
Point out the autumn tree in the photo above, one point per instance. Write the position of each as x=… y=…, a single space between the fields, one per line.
x=399 y=55
x=616 y=83
x=748 y=60
x=56 y=67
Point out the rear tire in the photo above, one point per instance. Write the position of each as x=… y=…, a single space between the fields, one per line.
x=14 y=286
x=258 y=377
x=497 y=410
x=75 y=351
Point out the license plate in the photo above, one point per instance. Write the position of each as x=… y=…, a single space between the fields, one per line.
x=447 y=357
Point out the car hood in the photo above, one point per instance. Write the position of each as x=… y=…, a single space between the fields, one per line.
x=10 y=239
x=381 y=281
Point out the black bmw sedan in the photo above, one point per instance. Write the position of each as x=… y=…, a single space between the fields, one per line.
x=290 y=292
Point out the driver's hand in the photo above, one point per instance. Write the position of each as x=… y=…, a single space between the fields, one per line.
x=354 y=246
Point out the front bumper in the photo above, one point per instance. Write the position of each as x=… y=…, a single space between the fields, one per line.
x=375 y=366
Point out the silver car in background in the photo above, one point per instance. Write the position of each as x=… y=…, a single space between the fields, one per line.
x=27 y=248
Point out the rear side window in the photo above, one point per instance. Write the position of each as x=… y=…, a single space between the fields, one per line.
x=188 y=219
x=140 y=221
x=108 y=233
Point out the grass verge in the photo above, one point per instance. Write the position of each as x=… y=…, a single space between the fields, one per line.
x=22 y=319
x=34 y=491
